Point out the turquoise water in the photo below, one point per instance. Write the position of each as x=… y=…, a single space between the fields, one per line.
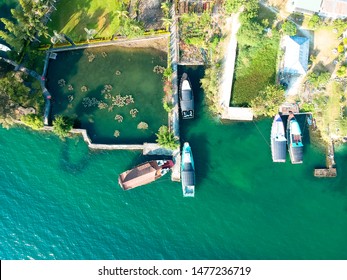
x=135 y=78
x=60 y=200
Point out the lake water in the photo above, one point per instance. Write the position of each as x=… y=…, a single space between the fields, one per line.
x=60 y=200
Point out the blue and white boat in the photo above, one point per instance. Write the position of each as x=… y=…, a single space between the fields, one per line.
x=294 y=138
x=187 y=171
x=278 y=140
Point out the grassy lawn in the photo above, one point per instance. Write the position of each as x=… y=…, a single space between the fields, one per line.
x=72 y=17
x=255 y=69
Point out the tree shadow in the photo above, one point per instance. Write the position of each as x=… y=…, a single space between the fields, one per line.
x=66 y=163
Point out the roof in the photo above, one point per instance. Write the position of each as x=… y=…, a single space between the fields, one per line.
x=279 y=150
x=296 y=55
x=308 y=5
x=334 y=8
x=140 y=175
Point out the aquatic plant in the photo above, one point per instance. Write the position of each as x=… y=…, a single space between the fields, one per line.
x=110 y=108
x=69 y=87
x=129 y=99
x=70 y=98
x=118 y=101
x=142 y=125
x=116 y=133
x=61 y=83
x=91 y=57
x=90 y=102
x=133 y=112
x=118 y=118
x=158 y=69
x=102 y=105
x=107 y=88
x=118 y=72
x=104 y=54
x=84 y=88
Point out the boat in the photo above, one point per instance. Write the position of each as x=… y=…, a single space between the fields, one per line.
x=278 y=140
x=144 y=173
x=187 y=171
x=186 y=98
x=294 y=138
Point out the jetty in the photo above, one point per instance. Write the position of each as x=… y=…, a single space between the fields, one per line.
x=325 y=172
x=330 y=171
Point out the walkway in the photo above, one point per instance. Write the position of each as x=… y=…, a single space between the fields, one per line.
x=229 y=62
x=174 y=115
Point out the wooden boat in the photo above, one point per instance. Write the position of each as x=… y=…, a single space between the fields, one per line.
x=278 y=140
x=187 y=171
x=294 y=138
x=186 y=98
x=144 y=173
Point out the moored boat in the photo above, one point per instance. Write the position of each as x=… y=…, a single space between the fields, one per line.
x=294 y=138
x=278 y=140
x=144 y=173
x=186 y=98
x=187 y=171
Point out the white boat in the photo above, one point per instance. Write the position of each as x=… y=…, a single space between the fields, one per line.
x=278 y=140
x=187 y=171
x=186 y=98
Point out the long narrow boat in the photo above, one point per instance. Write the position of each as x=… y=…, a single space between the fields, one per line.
x=278 y=140
x=187 y=171
x=186 y=98
x=294 y=138
x=144 y=173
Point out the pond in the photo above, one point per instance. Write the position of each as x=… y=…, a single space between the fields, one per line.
x=110 y=90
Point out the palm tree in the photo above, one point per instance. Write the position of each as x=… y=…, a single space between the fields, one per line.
x=90 y=33
x=166 y=138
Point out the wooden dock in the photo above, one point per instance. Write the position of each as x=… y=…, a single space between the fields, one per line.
x=325 y=172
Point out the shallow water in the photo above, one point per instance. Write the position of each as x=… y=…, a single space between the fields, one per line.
x=60 y=200
x=130 y=72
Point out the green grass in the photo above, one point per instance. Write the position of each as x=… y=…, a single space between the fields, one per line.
x=255 y=69
x=72 y=17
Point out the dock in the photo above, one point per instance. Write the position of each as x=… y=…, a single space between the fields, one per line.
x=330 y=171
x=325 y=172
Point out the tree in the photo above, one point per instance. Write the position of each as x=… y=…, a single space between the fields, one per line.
x=62 y=125
x=250 y=33
x=289 y=28
x=318 y=79
x=267 y=102
x=342 y=71
x=32 y=120
x=166 y=138
x=314 y=22
x=90 y=33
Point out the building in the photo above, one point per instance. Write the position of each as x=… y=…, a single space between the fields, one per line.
x=334 y=8
x=296 y=55
x=304 y=6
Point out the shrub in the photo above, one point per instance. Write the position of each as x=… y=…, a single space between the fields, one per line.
x=314 y=21
x=166 y=138
x=340 y=48
x=62 y=125
x=32 y=120
x=289 y=28
x=342 y=71
x=267 y=102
